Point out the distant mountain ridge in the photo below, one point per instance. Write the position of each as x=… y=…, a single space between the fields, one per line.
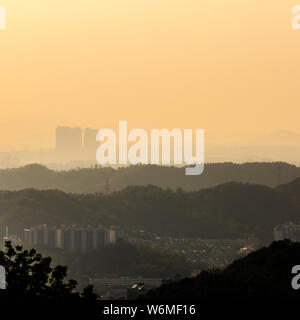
x=89 y=180
x=278 y=138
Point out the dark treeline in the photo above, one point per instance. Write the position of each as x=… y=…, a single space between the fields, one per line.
x=232 y=210
x=34 y=286
x=95 y=180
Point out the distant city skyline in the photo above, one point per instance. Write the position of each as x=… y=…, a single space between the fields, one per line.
x=78 y=145
x=280 y=137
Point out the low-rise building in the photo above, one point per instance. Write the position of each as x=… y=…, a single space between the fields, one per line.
x=118 y=287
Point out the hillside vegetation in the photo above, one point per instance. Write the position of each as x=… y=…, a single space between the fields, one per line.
x=232 y=210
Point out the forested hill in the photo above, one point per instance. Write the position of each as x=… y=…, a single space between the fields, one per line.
x=292 y=190
x=91 y=180
x=263 y=275
x=232 y=210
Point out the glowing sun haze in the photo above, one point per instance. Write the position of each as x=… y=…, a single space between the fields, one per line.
x=230 y=67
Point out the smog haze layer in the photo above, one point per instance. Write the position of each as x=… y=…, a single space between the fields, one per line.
x=228 y=67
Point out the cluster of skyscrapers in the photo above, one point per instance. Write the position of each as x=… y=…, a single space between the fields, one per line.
x=71 y=238
x=287 y=230
x=76 y=143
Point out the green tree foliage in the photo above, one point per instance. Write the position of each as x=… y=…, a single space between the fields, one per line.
x=29 y=276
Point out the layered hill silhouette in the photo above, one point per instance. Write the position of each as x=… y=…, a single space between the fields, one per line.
x=262 y=275
x=91 y=180
x=292 y=190
x=232 y=210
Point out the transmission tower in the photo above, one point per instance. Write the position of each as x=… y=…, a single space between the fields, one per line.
x=107 y=185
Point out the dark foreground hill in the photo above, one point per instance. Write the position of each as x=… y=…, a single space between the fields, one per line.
x=264 y=274
x=107 y=179
x=232 y=210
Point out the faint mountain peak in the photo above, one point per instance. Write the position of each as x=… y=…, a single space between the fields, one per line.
x=278 y=138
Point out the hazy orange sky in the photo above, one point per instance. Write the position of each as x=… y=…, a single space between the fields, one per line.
x=231 y=67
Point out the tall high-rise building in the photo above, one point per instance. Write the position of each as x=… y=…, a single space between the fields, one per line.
x=69 y=143
x=90 y=144
x=69 y=238
x=41 y=235
x=288 y=230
